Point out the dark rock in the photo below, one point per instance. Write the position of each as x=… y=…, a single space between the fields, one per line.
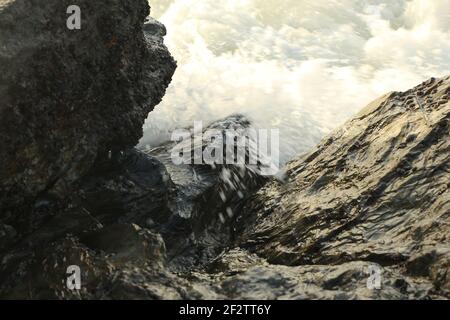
x=369 y=203
x=127 y=188
x=127 y=243
x=68 y=96
x=419 y=265
x=127 y=209
x=7 y=235
x=206 y=201
x=141 y=227
x=155 y=27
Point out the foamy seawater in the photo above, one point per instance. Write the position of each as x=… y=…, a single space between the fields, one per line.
x=302 y=66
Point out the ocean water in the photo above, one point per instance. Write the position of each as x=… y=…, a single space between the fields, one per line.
x=302 y=66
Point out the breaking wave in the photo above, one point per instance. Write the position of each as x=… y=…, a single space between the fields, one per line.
x=302 y=66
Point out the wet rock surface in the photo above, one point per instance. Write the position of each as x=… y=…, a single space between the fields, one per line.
x=372 y=196
x=376 y=190
x=137 y=226
x=365 y=215
x=68 y=96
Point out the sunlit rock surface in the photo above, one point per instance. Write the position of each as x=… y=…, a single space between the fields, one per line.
x=375 y=191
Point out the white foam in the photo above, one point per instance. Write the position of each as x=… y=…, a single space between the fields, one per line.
x=303 y=66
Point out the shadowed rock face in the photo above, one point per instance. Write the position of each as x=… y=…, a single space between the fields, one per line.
x=132 y=222
x=66 y=96
x=372 y=196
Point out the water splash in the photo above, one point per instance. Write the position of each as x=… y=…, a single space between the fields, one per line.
x=303 y=66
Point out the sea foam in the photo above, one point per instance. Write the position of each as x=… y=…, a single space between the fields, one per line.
x=302 y=66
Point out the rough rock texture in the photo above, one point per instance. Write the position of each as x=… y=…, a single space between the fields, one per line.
x=374 y=194
x=376 y=190
x=68 y=96
x=134 y=224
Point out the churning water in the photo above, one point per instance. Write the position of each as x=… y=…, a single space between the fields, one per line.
x=303 y=66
